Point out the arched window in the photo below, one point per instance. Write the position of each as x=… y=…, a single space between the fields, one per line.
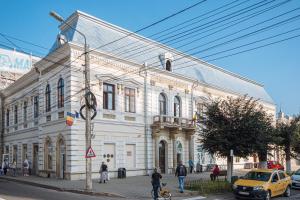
x=177 y=106
x=48 y=98
x=60 y=93
x=162 y=104
x=168 y=65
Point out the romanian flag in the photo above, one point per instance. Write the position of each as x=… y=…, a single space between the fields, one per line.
x=69 y=120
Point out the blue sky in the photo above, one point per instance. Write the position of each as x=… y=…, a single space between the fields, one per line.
x=276 y=66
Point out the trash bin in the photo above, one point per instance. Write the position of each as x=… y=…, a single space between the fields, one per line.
x=199 y=168
x=121 y=173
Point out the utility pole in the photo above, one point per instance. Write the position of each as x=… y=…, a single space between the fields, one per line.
x=88 y=161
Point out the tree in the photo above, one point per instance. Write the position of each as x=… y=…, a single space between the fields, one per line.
x=239 y=124
x=288 y=139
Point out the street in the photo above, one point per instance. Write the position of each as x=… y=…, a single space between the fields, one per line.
x=16 y=191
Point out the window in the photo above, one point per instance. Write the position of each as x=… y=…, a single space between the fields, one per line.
x=48 y=98
x=25 y=111
x=16 y=114
x=162 y=104
x=275 y=177
x=168 y=65
x=7 y=118
x=60 y=93
x=177 y=106
x=281 y=175
x=36 y=107
x=108 y=96
x=129 y=100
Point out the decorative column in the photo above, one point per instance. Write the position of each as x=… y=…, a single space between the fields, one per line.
x=156 y=140
x=173 y=139
x=190 y=138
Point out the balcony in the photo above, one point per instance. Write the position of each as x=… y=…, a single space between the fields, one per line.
x=165 y=121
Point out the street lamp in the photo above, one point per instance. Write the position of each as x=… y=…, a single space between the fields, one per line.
x=88 y=161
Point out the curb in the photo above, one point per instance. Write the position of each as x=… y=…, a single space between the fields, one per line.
x=62 y=189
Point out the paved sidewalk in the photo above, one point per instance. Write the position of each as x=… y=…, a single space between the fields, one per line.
x=138 y=187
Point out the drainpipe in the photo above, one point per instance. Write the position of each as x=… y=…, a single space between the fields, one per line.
x=146 y=117
x=2 y=123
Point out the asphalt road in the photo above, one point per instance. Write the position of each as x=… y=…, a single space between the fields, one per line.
x=295 y=195
x=16 y=191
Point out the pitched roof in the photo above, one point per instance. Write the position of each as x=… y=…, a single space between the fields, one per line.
x=99 y=33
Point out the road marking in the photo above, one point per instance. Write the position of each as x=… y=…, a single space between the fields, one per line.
x=195 y=198
x=2 y=198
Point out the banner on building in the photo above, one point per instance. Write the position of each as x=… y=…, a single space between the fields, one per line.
x=15 y=62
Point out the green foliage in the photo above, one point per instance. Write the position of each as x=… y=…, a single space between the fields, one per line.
x=209 y=187
x=288 y=137
x=239 y=123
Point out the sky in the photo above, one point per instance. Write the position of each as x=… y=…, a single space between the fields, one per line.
x=275 y=66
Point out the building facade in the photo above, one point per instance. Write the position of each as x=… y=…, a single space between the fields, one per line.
x=146 y=99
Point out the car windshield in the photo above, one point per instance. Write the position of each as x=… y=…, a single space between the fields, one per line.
x=297 y=172
x=258 y=176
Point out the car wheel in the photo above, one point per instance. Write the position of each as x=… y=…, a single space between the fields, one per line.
x=287 y=192
x=268 y=195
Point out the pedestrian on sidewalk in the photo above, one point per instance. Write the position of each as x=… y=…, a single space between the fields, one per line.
x=1 y=170
x=181 y=173
x=14 y=168
x=215 y=173
x=5 y=166
x=25 y=167
x=103 y=173
x=156 y=183
x=191 y=166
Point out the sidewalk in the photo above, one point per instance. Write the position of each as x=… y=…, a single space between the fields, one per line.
x=138 y=187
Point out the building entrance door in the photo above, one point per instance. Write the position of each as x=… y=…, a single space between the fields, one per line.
x=162 y=156
x=35 y=159
x=62 y=161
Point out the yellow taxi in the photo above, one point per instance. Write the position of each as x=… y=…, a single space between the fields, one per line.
x=262 y=184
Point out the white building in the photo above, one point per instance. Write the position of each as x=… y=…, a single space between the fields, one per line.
x=144 y=111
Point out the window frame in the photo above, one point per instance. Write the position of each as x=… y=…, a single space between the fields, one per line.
x=177 y=105
x=35 y=107
x=130 y=100
x=162 y=104
x=7 y=117
x=25 y=113
x=107 y=97
x=16 y=114
x=48 y=98
x=60 y=93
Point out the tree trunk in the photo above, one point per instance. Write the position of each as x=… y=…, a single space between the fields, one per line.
x=262 y=160
x=229 y=168
x=288 y=160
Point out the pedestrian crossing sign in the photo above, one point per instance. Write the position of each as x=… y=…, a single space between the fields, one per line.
x=90 y=153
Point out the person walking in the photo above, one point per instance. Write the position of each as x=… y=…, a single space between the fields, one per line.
x=14 y=168
x=191 y=166
x=181 y=173
x=25 y=167
x=156 y=183
x=5 y=166
x=215 y=173
x=103 y=173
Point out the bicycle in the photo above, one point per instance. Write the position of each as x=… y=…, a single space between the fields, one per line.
x=163 y=193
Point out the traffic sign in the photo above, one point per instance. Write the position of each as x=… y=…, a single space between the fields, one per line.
x=90 y=153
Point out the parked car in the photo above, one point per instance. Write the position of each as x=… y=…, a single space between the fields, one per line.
x=274 y=165
x=296 y=179
x=262 y=184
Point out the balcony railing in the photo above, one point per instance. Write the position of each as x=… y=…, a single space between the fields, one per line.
x=172 y=121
